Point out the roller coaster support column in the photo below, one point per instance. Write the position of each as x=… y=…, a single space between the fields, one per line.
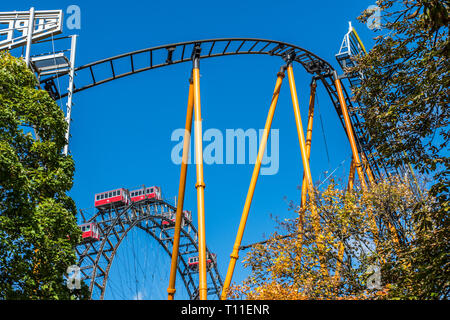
x=308 y=139
x=369 y=172
x=356 y=158
x=350 y=133
x=181 y=189
x=307 y=169
x=308 y=153
x=351 y=177
x=200 y=185
x=248 y=201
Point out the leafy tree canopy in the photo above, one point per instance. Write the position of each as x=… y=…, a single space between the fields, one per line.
x=398 y=259
x=405 y=91
x=38 y=229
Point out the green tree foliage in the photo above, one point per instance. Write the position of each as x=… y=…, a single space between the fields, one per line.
x=38 y=229
x=405 y=90
x=403 y=253
x=405 y=104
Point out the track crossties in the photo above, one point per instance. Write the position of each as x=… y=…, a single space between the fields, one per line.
x=127 y=64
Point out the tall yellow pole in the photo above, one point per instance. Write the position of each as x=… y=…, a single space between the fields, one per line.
x=308 y=154
x=200 y=185
x=368 y=169
x=307 y=169
x=308 y=141
x=181 y=189
x=356 y=159
x=301 y=136
x=248 y=201
x=350 y=134
x=351 y=177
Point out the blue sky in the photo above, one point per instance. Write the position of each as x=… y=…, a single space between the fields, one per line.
x=121 y=130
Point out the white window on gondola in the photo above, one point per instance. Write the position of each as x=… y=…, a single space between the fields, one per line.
x=193 y=259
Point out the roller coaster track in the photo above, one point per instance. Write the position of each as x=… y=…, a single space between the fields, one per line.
x=127 y=64
x=114 y=223
x=351 y=48
x=171 y=54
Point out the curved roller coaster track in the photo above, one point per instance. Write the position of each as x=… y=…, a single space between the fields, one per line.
x=115 y=223
x=127 y=64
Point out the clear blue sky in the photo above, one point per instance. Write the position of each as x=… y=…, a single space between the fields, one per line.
x=121 y=130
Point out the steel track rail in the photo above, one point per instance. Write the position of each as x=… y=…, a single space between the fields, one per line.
x=106 y=70
x=165 y=55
